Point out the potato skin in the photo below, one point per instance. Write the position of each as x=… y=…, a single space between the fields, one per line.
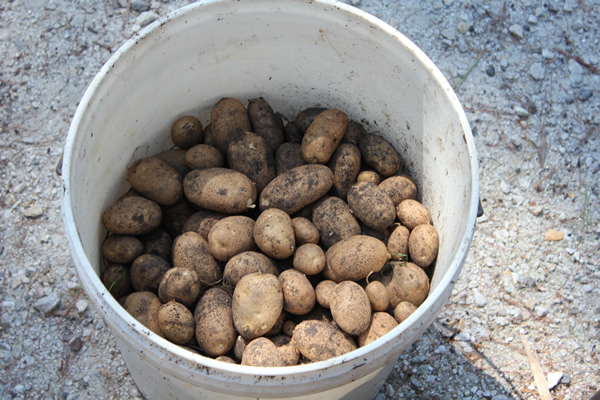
x=309 y=259
x=147 y=271
x=334 y=220
x=412 y=213
x=144 y=307
x=288 y=156
x=117 y=281
x=298 y=293
x=323 y=136
x=423 y=245
x=345 y=164
x=266 y=123
x=180 y=284
x=156 y=180
x=261 y=352
x=250 y=154
x=306 y=117
x=319 y=341
x=397 y=244
x=407 y=283
x=227 y=117
x=175 y=215
x=176 y=159
x=403 y=310
x=399 y=188
x=305 y=231
x=257 y=303
x=246 y=263
x=230 y=236
x=371 y=205
x=378 y=296
x=380 y=154
x=274 y=233
x=323 y=292
x=220 y=189
x=380 y=324
x=354 y=132
x=191 y=250
x=350 y=307
x=204 y=156
x=368 y=176
x=133 y=215
x=354 y=258
x=176 y=322
x=122 y=249
x=186 y=132
x=296 y=188
x=215 y=332
x=157 y=242
x=201 y=222
x=287 y=348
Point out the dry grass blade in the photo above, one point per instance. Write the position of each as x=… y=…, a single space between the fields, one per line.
x=536 y=369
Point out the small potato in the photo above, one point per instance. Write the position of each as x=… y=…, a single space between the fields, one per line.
x=156 y=180
x=147 y=271
x=288 y=156
x=399 y=188
x=246 y=263
x=379 y=154
x=305 y=231
x=226 y=359
x=190 y=250
x=176 y=322
x=274 y=233
x=334 y=220
x=319 y=341
x=287 y=348
x=323 y=292
x=298 y=293
x=261 y=352
x=122 y=249
x=144 y=307
x=288 y=327
x=257 y=304
x=309 y=259
x=381 y=323
x=132 y=215
x=265 y=122
x=215 y=331
x=204 y=156
x=297 y=188
x=350 y=307
x=239 y=346
x=354 y=258
x=412 y=213
x=201 y=222
x=227 y=117
x=354 y=132
x=345 y=164
x=220 y=189
x=291 y=133
x=176 y=159
x=397 y=244
x=306 y=117
x=157 y=242
x=323 y=136
x=368 y=176
x=250 y=154
x=378 y=296
x=403 y=310
x=180 y=284
x=117 y=281
x=423 y=245
x=175 y=215
x=371 y=205
x=406 y=283
x=230 y=236
x=186 y=132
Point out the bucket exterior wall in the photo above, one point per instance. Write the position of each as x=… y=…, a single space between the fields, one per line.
x=295 y=54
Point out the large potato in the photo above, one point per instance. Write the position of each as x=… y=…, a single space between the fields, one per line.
x=288 y=156
x=297 y=188
x=380 y=154
x=122 y=249
x=345 y=164
x=350 y=307
x=319 y=340
x=204 y=156
x=323 y=136
x=412 y=213
x=334 y=220
x=371 y=205
x=355 y=258
x=147 y=271
x=156 y=180
x=423 y=245
x=265 y=122
x=230 y=236
x=381 y=323
x=186 y=132
x=144 y=307
x=191 y=250
x=246 y=263
x=250 y=154
x=399 y=188
x=227 y=117
x=180 y=284
x=220 y=189
x=298 y=293
x=215 y=332
x=133 y=215
x=176 y=322
x=406 y=283
x=274 y=233
x=257 y=304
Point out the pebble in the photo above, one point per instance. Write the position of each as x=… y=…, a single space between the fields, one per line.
x=516 y=31
x=553 y=235
x=537 y=71
x=480 y=300
x=81 y=305
x=521 y=112
x=139 y=5
x=554 y=379
x=441 y=350
x=490 y=71
x=541 y=311
x=570 y=5
x=548 y=54
x=537 y=210
x=505 y=187
x=35 y=211
x=584 y=94
x=146 y=18
x=463 y=336
x=47 y=303
x=532 y=19
x=463 y=27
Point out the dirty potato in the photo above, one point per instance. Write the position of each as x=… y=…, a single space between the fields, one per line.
x=345 y=164
x=191 y=250
x=288 y=156
x=403 y=310
x=368 y=176
x=230 y=236
x=423 y=245
x=378 y=296
x=180 y=284
x=147 y=271
x=204 y=156
x=122 y=249
x=227 y=117
x=371 y=205
x=246 y=263
x=397 y=243
x=323 y=136
x=406 y=283
x=334 y=220
x=274 y=233
x=323 y=292
x=116 y=279
x=298 y=293
x=250 y=154
x=261 y=352
x=379 y=154
x=381 y=323
x=156 y=180
x=399 y=188
x=350 y=307
x=186 y=132
x=287 y=348
x=133 y=215
x=157 y=242
x=306 y=117
x=176 y=159
x=176 y=322
x=354 y=258
x=319 y=340
x=266 y=123
x=305 y=231
x=215 y=332
x=412 y=213
x=144 y=306
x=309 y=259
x=201 y=222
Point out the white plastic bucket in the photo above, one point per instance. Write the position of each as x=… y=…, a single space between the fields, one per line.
x=296 y=54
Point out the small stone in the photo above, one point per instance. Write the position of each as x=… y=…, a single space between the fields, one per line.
x=490 y=71
x=146 y=18
x=505 y=187
x=47 y=303
x=480 y=300
x=75 y=344
x=81 y=305
x=441 y=350
x=532 y=19
x=19 y=389
x=570 y=5
x=553 y=236
x=566 y=379
x=500 y=397
x=35 y=211
x=554 y=379
x=537 y=71
x=521 y=112
x=447 y=332
x=504 y=64
x=537 y=210
x=463 y=27
x=380 y=396
x=548 y=54
x=448 y=34
x=584 y=94
x=139 y=5
x=516 y=31
x=502 y=321
x=463 y=337
x=541 y=311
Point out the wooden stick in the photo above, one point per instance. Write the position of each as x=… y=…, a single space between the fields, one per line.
x=536 y=369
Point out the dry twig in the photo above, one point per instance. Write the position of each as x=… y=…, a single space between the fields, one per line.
x=536 y=369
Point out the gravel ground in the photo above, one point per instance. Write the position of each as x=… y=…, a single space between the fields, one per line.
x=527 y=73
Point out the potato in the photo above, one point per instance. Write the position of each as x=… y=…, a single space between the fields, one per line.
x=406 y=283
x=176 y=159
x=226 y=359
x=305 y=231
x=261 y=352
x=298 y=293
x=368 y=176
x=278 y=327
x=287 y=348
x=319 y=341
x=306 y=117
x=288 y=156
x=239 y=346
x=350 y=307
x=176 y=322
x=122 y=249
x=250 y=154
x=323 y=136
x=257 y=304
x=381 y=323
x=180 y=284
x=157 y=242
x=201 y=222
x=186 y=132
x=397 y=244
x=382 y=235
x=147 y=271
x=399 y=188
x=215 y=332
x=117 y=281
x=345 y=164
x=174 y=217
x=354 y=258
x=144 y=306
x=246 y=263
x=204 y=156
x=378 y=296
x=323 y=292
x=379 y=154
x=354 y=132
x=274 y=233
x=371 y=205
x=227 y=117
x=266 y=123
x=220 y=189
x=296 y=188
x=291 y=133
x=309 y=259
x=190 y=250
x=288 y=327
x=132 y=215
x=423 y=245
x=156 y=180
x=230 y=236
x=412 y=213
x=403 y=310
x=334 y=220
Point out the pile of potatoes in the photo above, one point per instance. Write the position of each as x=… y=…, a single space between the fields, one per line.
x=266 y=243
